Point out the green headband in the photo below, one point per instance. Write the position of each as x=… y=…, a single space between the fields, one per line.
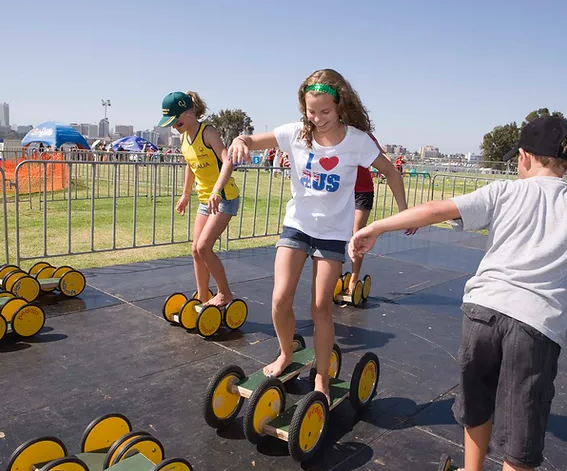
x=321 y=87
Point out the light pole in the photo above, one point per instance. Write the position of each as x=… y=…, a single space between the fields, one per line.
x=105 y=104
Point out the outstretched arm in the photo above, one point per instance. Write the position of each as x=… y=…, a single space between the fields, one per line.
x=419 y=216
x=240 y=148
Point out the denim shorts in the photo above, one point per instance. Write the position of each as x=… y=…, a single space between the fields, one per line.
x=507 y=372
x=225 y=206
x=329 y=249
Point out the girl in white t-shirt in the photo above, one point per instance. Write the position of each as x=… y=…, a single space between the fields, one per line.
x=324 y=151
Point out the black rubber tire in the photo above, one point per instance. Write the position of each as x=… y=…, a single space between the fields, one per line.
x=163 y=465
x=54 y=465
x=120 y=443
x=294 y=429
x=355 y=380
x=208 y=413
x=96 y=421
x=269 y=383
x=445 y=463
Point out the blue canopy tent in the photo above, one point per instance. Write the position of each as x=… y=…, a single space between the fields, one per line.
x=133 y=144
x=55 y=134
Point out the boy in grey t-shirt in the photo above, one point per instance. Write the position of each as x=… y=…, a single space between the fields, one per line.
x=515 y=306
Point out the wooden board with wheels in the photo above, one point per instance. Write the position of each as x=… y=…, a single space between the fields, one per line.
x=358 y=296
x=304 y=424
x=19 y=316
x=191 y=314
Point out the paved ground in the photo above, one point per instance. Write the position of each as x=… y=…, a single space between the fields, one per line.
x=111 y=351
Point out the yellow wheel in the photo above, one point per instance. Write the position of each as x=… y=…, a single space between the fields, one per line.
x=7 y=269
x=5 y=294
x=59 y=272
x=46 y=273
x=357 y=294
x=338 y=289
x=209 y=321
x=265 y=404
x=3 y=327
x=222 y=400
x=148 y=446
x=9 y=280
x=445 y=463
x=28 y=320
x=364 y=381
x=346 y=279
x=334 y=365
x=69 y=463
x=308 y=426
x=36 y=451
x=101 y=433
x=72 y=283
x=336 y=362
x=38 y=266
x=188 y=314
x=366 y=285
x=236 y=314
x=195 y=293
x=172 y=306
x=173 y=464
x=26 y=287
x=11 y=306
x=119 y=445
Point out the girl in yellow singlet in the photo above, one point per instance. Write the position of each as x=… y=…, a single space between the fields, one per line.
x=219 y=197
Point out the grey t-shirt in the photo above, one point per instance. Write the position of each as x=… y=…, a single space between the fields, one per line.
x=524 y=271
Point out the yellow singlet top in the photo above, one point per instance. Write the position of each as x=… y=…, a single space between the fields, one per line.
x=206 y=166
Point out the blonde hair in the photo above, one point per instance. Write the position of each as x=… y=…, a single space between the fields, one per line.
x=199 y=106
x=350 y=109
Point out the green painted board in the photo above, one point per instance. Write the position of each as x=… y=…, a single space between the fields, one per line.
x=338 y=390
x=134 y=463
x=94 y=461
x=300 y=360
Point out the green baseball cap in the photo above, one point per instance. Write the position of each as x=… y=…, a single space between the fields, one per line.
x=173 y=106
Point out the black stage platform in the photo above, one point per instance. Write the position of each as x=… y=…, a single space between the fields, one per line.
x=111 y=351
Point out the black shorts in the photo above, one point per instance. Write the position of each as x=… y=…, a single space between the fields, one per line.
x=507 y=371
x=364 y=201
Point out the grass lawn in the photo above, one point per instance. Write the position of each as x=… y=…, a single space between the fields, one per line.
x=146 y=219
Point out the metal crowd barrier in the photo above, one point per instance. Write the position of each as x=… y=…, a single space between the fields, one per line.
x=78 y=207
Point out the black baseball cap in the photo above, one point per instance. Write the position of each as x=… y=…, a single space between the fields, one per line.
x=542 y=136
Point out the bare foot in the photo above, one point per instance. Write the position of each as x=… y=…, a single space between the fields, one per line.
x=322 y=384
x=220 y=299
x=273 y=370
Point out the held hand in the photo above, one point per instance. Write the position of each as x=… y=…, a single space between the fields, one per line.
x=214 y=201
x=182 y=204
x=361 y=242
x=238 y=152
x=411 y=231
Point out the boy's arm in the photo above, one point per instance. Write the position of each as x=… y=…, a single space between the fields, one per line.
x=419 y=216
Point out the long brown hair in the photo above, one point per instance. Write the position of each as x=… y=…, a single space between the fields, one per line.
x=350 y=109
x=199 y=106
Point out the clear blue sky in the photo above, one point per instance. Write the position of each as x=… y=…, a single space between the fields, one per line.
x=430 y=72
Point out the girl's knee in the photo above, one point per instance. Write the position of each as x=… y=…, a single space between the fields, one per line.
x=281 y=302
x=321 y=311
x=204 y=249
x=194 y=250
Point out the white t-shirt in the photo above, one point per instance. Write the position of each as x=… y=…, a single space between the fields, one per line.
x=322 y=181
x=524 y=271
